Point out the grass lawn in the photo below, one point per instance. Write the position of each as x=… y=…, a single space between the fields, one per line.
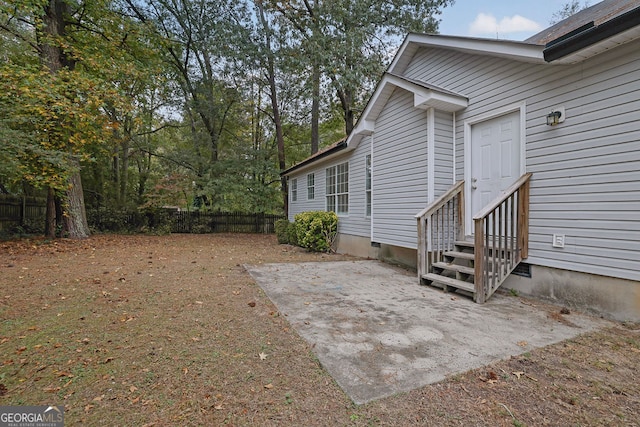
x=171 y=331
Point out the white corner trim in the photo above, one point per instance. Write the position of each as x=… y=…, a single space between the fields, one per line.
x=453 y=151
x=431 y=154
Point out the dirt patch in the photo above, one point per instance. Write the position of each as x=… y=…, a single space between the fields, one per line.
x=170 y=330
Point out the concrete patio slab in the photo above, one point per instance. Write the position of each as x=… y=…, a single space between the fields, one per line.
x=378 y=332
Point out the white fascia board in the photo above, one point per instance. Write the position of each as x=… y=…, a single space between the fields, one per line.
x=316 y=163
x=520 y=51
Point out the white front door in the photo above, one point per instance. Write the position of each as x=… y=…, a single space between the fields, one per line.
x=495 y=158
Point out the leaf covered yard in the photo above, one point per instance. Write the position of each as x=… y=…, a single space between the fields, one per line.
x=171 y=330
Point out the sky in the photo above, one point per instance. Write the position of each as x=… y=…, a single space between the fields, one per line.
x=503 y=19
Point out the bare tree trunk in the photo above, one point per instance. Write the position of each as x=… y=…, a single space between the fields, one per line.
x=53 y=56
x=273 y=94
x=315 y=109
x=75 y=217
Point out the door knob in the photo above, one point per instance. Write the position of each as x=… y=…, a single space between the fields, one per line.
x=473 y=183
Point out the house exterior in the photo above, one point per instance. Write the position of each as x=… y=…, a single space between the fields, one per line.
x=459 y=109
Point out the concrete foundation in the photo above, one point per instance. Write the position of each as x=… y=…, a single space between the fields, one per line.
x=397 y=255
x=610 y=297
x=356 y=246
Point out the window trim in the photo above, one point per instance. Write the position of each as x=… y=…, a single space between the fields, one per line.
x=294 y=190
x=311 y=186
x=337 y=190
x=368 y=178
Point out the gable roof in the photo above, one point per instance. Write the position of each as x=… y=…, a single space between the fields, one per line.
x=583 y=35
x=425 y=95
x=521 y=51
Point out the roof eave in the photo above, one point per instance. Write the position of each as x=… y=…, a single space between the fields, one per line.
x=595 y=39
x=328 y=154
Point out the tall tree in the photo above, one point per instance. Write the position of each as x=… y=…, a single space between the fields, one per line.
x=58 y=101
x=54 y=28
x=196 y=35
x=352 y=40
x=268 y=60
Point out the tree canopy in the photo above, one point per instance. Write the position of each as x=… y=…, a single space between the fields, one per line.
x=198 y=104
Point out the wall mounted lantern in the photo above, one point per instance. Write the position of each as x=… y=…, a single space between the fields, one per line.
x=556 y=116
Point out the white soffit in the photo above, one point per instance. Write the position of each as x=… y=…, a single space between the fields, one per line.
x=440 y=101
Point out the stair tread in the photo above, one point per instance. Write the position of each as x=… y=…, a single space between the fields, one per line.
x=454 y=267
x=449 y=281
x=465 y=243
x=462 y=255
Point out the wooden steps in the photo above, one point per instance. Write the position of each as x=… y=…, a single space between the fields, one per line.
x=456 y=271
x=449 y=281
x=453 y=267
x=500 y=235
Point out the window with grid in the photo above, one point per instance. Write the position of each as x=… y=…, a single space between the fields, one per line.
x=311 y=186
x=368 y=184
x=294 y=190
x=337 y=181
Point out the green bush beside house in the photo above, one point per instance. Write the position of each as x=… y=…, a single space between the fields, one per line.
x=315 y=230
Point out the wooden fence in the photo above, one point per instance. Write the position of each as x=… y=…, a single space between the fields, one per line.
x=27 y=212
x=223 y=222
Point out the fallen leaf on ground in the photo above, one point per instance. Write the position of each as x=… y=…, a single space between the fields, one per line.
x=268 y=386
x=263 y=356
x=518 y=374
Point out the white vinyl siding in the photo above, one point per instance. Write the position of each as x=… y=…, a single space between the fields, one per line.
x=355 y=223
x=318 y=203
x=400 y=178
x=443 y=174
x=586 y=183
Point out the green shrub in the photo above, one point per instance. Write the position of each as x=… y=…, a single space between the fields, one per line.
x=316 y=231
x=282 y=230
x=292 y=234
